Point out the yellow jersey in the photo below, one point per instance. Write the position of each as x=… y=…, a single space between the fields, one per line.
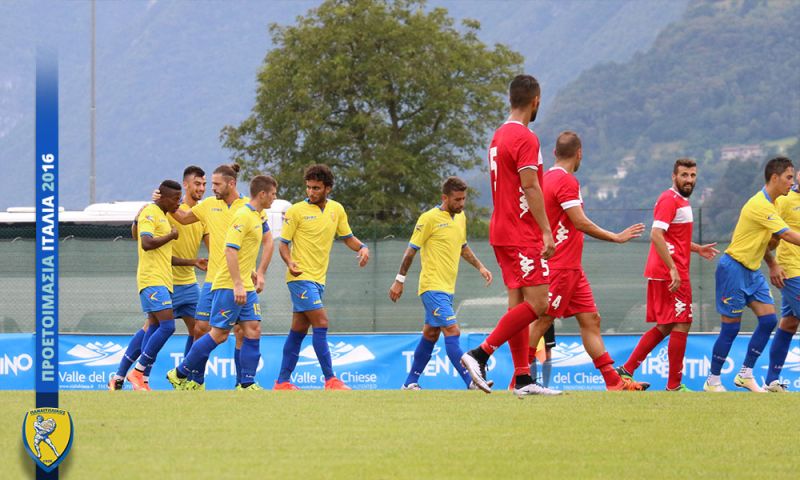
x=311 y=231
x=155 y=266
x=758 y=221
x=186 y=246
x=216 y=215
x=788 y=208
x=439 y=237
x=244 y=234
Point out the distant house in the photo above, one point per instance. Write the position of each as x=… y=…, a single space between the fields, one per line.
x=741 y=152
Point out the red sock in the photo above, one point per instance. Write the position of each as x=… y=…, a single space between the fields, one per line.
x=676 y=350
x=646 y=344
x=519 y=345
x=531 y=354
x=605 y=364
x=512 y=322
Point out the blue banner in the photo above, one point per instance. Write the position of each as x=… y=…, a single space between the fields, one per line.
x=372 y=362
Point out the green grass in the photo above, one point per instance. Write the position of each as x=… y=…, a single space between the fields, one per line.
x=428 y=434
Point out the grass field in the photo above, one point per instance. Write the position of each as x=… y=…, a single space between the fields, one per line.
x=428 y=434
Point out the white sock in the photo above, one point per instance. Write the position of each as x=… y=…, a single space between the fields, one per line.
x=746 y=372
x=714 y=380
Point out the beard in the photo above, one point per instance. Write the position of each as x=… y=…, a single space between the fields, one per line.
x=683 y=190
x=533 y=115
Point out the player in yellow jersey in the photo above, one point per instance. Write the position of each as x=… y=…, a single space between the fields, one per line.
x=310 y=227
x=185 y=291
x=739 y=280
x=234 y=293
x=441 y=236
x=216 y=214
x=788 y=280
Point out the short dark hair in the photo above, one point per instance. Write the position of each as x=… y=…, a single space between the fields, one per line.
x=567 y=144
x=683 y=162
x=169 y=185
x=261 y=183
x=320 y=173
x=228 y=170
x=453 y=184
x=193 y=171
x=522 y=91
x=776 y=166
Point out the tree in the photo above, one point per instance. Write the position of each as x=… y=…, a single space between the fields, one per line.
x=393 y=97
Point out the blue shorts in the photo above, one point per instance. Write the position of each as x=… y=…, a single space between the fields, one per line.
x=184 y=300
x=790 y=298
x=225 y=312
x=438 y=308
x=306 y=295
x=203 y=312
x=737 y=286
x=155 y=299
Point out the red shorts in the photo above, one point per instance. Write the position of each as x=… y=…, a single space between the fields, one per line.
x=570 y=294
x=665 y=307
x=522 y=266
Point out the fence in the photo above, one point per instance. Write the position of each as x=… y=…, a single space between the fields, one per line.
x=98 y=283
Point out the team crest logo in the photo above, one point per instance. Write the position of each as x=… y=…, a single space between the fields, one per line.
x=47 y=434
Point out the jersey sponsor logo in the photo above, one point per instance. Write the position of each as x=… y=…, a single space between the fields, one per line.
x=47 y=434
x=309 y=217
x=443 y=225
x=569 y=355
x=562 y=233
x=523 y=203
x=95 y=354
x=216 y=209
x=341 y=354
x=525 y=264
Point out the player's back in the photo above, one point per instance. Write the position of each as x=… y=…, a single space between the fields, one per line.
x=513 y=149
x=758 y=221
x=673 y=214
x=561 y=192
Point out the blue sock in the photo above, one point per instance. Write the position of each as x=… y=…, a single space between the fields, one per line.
x=727 y=334
x=454 y=353
x=766 y=324
x=131 y=353
x=157 y=340
x=188 y=346
x=194 y=364
x=250 y=355
x=777 y=354
x=237 y=361
x=291 y=350
x=319 y=339
x=422 y=355
x=148 y=370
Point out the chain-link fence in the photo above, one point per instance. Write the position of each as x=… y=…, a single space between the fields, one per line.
x=98 y=281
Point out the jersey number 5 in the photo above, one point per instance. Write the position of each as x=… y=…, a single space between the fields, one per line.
x=493 y=167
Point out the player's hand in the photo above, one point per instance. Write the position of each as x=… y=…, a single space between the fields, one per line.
x=294 y=269
x=777 y=276
x=258 y=281
x=487 y=275
x=549 y=247
x=201 y=264
x=634 y=231
x=675 y=280
x=239 y=295
x=708 y=251
x=156 y=195
x=363 y=256
x=395 y=291
x=174 y=233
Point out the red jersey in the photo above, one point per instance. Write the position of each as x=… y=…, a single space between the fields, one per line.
x=562 y=192
x=673 y=214
x=513 y=149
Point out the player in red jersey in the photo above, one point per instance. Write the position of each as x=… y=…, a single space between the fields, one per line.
x=669 y=292
x=520 y=234
x=570 y=292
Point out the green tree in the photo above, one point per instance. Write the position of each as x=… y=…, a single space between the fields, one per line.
x=388 y=93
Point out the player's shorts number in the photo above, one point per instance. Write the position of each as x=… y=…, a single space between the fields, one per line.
x=545 y=267
x=554 y=303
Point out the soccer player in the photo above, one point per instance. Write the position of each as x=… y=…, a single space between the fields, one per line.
x=216 y=214
x=740 y=283
x=185 y=291
x=441 y=236
x=310 y=227
x=234 y=294
x=154 y=277
x=788 y=280
x=669 y=291
x=569 y=290
x=520 y=234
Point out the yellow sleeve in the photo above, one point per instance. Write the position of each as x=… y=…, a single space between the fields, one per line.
x=767 y=216
x=201 y=211
x=235 y=233
x=146 y=223
x=343 y=226
x=289 y=225
x=421 y=232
